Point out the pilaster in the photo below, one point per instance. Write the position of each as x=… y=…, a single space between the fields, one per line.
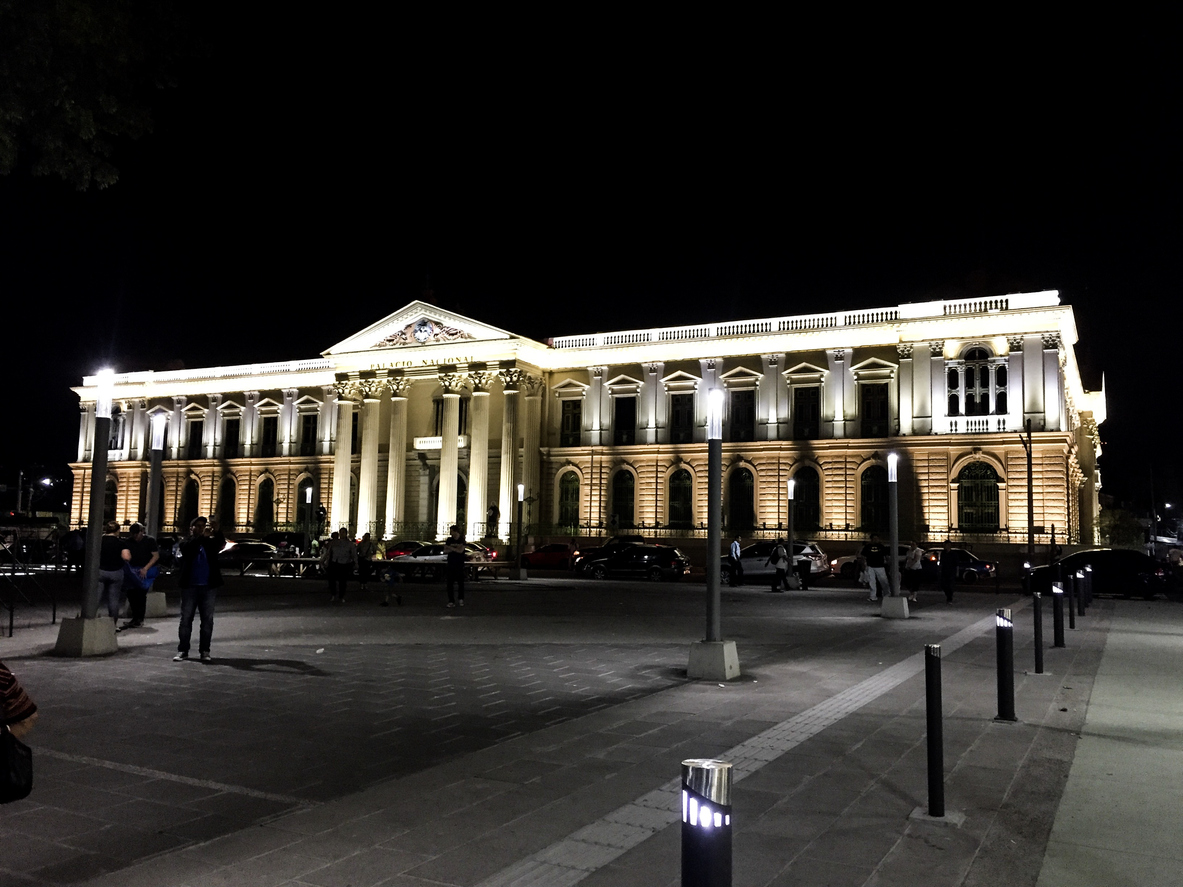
x=478 y=453
x=342 y=456
x=367 y=487
x=453 y=384
x=396 y=469
x=507 y=492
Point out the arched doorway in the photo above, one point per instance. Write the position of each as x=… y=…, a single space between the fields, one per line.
x=977 y=498
x=741 y=511
x=623 y=494
x=188 y=508
x=874 y=500
x=681 y=499
x=227 y=506
x=306 y=506
x=569 y=500
x=807 y=511
x=265 y=507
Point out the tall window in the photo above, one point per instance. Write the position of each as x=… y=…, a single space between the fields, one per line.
x=807 y=512
x=969 y=385
x=623 y=489
x=188 y=509
x=681 y=499
x=439 y=417
x=230 y=438
x=624 y=421
x=569 y=499
x=681 y=418
x=226 y=505
x=308 y=434
x=874 y=499
x=306 y=505
x=270 y=435
x=196 y=429
x=110 y=500
x=743 y=415
x=807 y=412
x=572 y=423
x=977 y=498
x=741 y=511
x=873 y=409
x=265 y=506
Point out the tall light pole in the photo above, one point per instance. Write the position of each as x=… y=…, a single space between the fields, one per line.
x=893 y=507
x=714 y=658
x=88 y=635
x=517 y=571
x=155 y=469
x=790 y=484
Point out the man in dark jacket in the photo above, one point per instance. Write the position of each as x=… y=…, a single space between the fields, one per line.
x=199 y=579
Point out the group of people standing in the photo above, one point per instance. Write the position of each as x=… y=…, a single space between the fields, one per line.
x=874 y=556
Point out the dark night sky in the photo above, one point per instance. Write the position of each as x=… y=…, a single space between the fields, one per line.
x=305 y=177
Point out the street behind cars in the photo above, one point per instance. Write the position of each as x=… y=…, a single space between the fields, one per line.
x=970 y=567
x=653 y=562
x=1114 y=571
x=754 y=561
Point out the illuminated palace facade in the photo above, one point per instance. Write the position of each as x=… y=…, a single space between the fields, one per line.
x=428 y=418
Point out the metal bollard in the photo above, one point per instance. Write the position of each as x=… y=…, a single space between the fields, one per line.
x=1037 y=600
x=1057 y=616
x=1084 y=582
x=1004 y=634
x=936 y=731
x=1072 y=592
x=706 y=823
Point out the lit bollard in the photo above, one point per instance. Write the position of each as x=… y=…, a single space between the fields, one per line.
x=706 y=823
x=1088 y=585
x=936 y=730
x=1037 y=610
x=1004 y=634
x=1083 y=597
x=1057 y=616
x=1072 y=592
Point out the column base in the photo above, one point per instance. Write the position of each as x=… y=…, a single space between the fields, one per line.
x=518 y=573
x=87 y=637
x=713 y=661
x=156 y=605
x=894 y=607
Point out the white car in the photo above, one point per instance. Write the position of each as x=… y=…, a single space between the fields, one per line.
x=848 y=567
x=754 y=560
x=431 y=560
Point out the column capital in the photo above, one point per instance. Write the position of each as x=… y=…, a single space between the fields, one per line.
x=1052 y=342
x=512 y=378
x=346 y=391
x=369 y=389
x=453 y=382
x=533 y=386
x=1014 y=343
x=398 y=386
x=481 y=381
x=937 y=348
x=904 y=350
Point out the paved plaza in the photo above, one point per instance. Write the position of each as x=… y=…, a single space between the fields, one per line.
x=534 y=738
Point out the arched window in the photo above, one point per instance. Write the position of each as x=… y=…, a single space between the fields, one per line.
x=306 y=505
x=188 y=508
x=977 y=498
x=569 y=499
x=807 y=512
x=265 y=506
x=623 y=490
x=741 y=512
x=227 y=513
x=874 y=499
x=110 y=500
x=681 y=499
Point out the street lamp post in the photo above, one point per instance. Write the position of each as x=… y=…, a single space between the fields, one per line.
x=155 y=457
x=89 y=635
x=714 y=658
x=789 y=486
x=893 y=504
x=517 y=571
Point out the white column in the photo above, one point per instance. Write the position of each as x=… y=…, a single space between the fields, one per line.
x=1014 y=385
x=937 y=379
x=449 y=453
x=647 y=414
x=1051 y=383
x=478 y=452
x=905 y=388
x=287 y=421
x=250 y=422
x=595 y=403
x=326 y=423
x=139 y=429
x=212 y=429
x=176 y=427
x=85 y=431
x=768 y=394
x=836 y=360
x=396 y=479
x=367 y=487
x=531 y=431
x=507 y=493
x=342 y=460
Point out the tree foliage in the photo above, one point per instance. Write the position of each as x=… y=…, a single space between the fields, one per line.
x=1118 y=527
x=76 y=76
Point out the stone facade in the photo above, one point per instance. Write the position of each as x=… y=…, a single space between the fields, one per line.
x=427 y=418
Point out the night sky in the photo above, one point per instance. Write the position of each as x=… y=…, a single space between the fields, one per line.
x=306 y=178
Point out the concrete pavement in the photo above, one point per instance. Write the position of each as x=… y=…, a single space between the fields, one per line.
x=533 y=737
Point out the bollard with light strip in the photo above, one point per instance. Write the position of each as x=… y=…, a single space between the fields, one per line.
x=1057 y=615
x=706 y=823
x=1004 y=634
x=1037 y=611
x=1082 y=598
x=1072 y=593
x=893 y=522
x=1088 y=585
x=936 y=730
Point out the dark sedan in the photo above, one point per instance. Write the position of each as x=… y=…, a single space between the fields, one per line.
x=1117 y=571
x=652 y=562
x=555 y=556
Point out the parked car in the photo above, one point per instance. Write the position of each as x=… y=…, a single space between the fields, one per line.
x=848 y=567
x=430 y=561
x=241 y=554
x=652 y=562
x=585 y=556
x=1117 y=571
x=394 y=549
x=970 y=567
x=555 y=556
x=754 y=560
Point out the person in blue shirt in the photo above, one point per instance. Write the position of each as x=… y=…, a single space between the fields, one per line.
x=199 y=578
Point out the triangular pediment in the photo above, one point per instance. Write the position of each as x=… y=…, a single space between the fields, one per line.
x=570 y=388
x=806 y=369
x=419 y=324
x=681 y=381
x=741 y=378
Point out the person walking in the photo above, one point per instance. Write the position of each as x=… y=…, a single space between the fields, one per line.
x=736 y=564
x=17 y=711
x=340 y=557
x=779 y=561
x=912 y=570
x=455 y=546
x=200 y=578
x=140 y=554
x=875 y=554
x=948 y=571
x=111 y=569
x=366 y=549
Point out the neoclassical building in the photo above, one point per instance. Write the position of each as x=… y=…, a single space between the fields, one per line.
x=428 y=418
